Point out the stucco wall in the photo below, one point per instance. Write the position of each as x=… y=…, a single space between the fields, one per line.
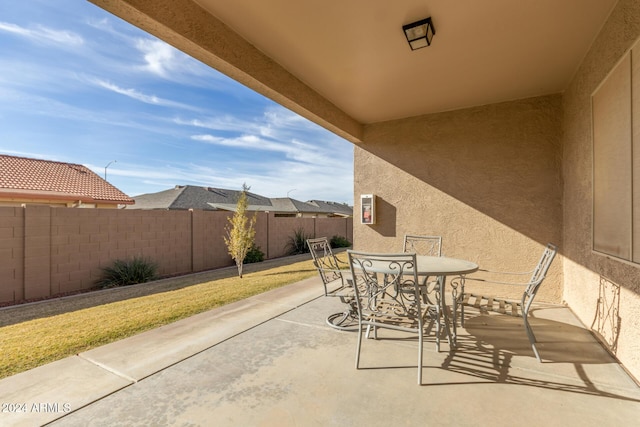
x=487 y=179
x=603 y=292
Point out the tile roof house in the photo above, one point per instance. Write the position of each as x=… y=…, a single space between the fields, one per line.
x=208 y=198
x=44 y=182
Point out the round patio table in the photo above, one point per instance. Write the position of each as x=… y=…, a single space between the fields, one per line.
x=440 y=267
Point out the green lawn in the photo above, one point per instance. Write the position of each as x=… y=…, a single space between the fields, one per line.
x=36 y=342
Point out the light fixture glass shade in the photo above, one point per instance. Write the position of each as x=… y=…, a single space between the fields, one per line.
x=419 y=34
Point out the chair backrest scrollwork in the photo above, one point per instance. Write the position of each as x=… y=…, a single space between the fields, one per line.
x=386 y=285
x=325 y=261
x=422 y=245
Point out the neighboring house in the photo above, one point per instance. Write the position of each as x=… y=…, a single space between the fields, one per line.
x=207 y=198
x=183 y=197
x=336 y=209
x=287 y=207
x=25 y=181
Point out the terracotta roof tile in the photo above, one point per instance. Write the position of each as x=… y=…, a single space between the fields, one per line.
x=33 y=175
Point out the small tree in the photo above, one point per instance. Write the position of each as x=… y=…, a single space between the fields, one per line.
x=240 y=231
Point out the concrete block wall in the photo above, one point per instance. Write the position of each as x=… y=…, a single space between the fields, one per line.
x=281 y=229
x=37 y=259
x=47 y=251
x=11 y=254
x=328 y=227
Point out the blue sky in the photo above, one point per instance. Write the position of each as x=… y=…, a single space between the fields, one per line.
x=80 y=85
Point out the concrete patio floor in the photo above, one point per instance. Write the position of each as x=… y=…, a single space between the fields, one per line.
x=271 y=360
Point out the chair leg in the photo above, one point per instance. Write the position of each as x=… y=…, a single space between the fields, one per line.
x=336 y=320
x=532 y=338
x=375 y=332
x=420 y=351
x=438 y=331
x=427 y=330
x=455 y=310
x=345 y=321
x=462 y=303
x=358 y=347
x=458 y=300
x=439 y=314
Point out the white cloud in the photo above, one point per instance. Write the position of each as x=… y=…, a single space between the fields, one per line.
x=44 y=34
x=30 y=154
x=310 y=160
x=282 y=131
x=139 y=96
x=142 y=176
x=307 y=153
x=222 y=122
x=103 y=24
x=163 y=60
x=293 y=150
x=159 y=57
x=247 y=142
x=35 y=105
x=272 y=179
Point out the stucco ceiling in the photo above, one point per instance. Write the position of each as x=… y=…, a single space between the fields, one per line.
x=355 y=55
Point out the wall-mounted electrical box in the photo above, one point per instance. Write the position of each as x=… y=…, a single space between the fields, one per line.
x=368 y=208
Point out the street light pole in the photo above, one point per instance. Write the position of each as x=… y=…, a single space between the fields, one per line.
x=105 y=168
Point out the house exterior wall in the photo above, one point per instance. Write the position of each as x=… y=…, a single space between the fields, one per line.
x=602 y=291
x=46 y=251
x=499 y=181
x=486 y=179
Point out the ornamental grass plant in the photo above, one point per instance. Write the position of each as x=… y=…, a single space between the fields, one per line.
x=297 y=244
x=128 y=272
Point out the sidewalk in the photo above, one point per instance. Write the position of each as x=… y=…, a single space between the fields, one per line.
x=271 y=360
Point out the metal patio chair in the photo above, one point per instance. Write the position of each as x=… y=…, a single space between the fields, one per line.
x=513 y=307
x=429 y=246
x=336 y=279
x=422 y=245
x=388 y=296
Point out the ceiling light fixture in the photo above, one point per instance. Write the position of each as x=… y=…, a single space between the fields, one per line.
x=419 y=34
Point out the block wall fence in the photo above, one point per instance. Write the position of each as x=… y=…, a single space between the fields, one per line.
x=47 y=251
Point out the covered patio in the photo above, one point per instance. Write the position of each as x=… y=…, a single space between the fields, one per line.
x=484 y=138
x=271 y=360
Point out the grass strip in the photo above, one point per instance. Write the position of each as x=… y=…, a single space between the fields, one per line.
x=36 y=342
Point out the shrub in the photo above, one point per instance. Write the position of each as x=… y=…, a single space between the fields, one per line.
x=339 y=242
x=128 y=272
x=254 y=255
x=297 y=243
